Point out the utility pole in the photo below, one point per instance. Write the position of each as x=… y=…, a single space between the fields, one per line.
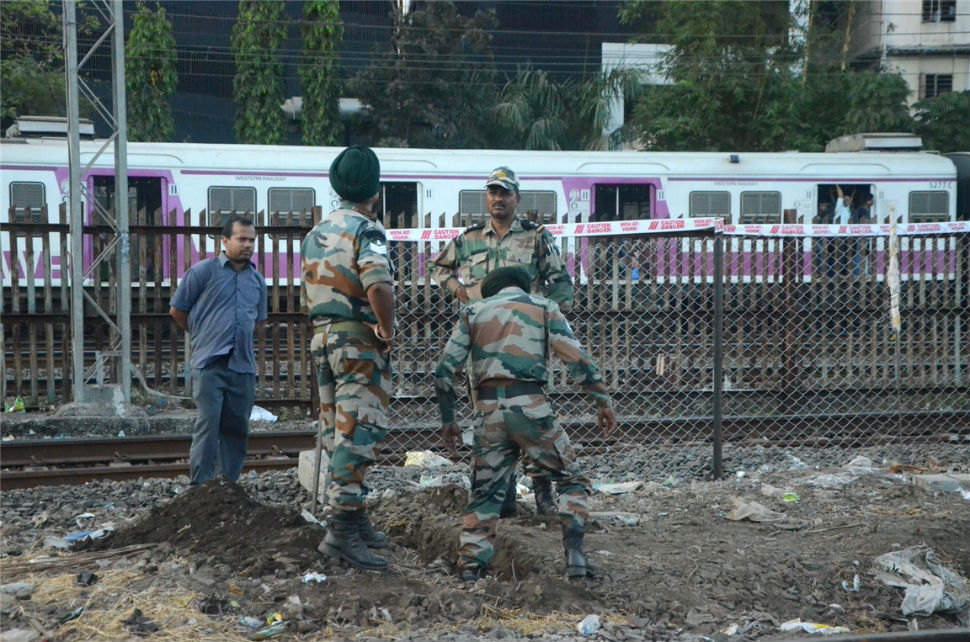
x=111 y=19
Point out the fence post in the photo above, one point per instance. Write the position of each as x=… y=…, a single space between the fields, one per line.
x=718 y=353
x=789 y=275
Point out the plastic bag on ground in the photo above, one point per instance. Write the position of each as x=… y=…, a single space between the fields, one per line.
x=930 y=586
x=425 y=459
x=261 y=414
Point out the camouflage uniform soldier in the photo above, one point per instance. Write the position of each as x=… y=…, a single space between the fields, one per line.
x=348 y=292
x=506 y=240
x=508 y=336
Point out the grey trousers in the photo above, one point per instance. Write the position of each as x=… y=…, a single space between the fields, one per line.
x=225 y=400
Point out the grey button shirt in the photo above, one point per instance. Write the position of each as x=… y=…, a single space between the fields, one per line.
x=224 y=306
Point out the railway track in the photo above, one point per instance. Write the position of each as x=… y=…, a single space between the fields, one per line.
x=46 y=462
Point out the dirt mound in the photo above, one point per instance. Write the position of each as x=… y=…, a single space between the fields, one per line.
x=218 y=523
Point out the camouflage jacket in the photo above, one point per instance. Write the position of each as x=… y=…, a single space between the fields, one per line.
x=341 y=257
x=469 y=257
x=510 y=336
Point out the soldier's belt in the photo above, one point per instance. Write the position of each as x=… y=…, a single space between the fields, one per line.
x=353 y=327
x=510 y=390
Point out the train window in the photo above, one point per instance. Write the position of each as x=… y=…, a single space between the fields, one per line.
x=711 y=204
x=760 y=207
x=24 y=195
x=622 y=202
x=539 y=206
x=927 y=207
x=291 y=205
x=226 y=200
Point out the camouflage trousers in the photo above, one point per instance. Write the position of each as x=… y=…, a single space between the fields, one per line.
x=354 y=379
x=504 y=428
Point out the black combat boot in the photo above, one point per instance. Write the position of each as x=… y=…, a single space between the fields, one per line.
x=509 y=507
x=572 y=540
x=545 y=504
x=370 y=537
x=343 y=541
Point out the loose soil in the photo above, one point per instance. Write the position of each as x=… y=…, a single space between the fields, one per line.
x=671 y=564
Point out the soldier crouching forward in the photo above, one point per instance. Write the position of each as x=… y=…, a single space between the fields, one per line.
x=508 y=335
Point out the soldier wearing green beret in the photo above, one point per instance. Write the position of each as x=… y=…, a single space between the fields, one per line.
x=347 y=291
x=506 y=239
x=508 y=336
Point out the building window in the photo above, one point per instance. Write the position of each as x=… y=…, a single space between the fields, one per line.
x=538 y=206
x=939 y=10
x=936 y=84
x=929 y=207
x=27 y=195
x=711 y=204
x=228 y=200
x=760 y=207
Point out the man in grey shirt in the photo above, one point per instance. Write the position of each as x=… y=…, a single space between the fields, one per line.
x=219 y=302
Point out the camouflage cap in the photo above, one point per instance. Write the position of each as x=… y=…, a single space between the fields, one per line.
x=503 y=177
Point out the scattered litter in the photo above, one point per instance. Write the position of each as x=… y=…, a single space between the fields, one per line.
x=730 y=630
x=790 y=497
x=274 y=617
x=56 y=542
x=624 y=519
x=425 y=459
x=311 y=518
x=84 y=520
x=618 y=489
x=812 y=627
x=589 y=625
x=741 y=474
x=756 y=512
x=860 y=464
x=314 y=577
x=139 y=625
x=855 y=585
x=670 y=481
x=86 y=578
x=213 y=606
x=21 y=590
x=73 y=615
x=17 y=406
x=261 y=414
x=270 y=631
x=82 y=535
x=930 y=586
x=250 y=622
x=771 y=491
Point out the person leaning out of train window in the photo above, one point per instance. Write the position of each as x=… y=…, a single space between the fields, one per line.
x=863 y=213
x=218 y=302
x=843 y=207
x=504 y=239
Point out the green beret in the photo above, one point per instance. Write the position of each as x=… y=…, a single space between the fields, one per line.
x=503 y=277
x=355 y=174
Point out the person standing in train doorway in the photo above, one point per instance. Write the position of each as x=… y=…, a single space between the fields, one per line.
x=219 y=302
x=348 y=292
x=503 y=240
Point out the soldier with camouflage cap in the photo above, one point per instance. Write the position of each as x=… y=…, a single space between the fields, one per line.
x=503 y=240
x=508 y=335
x=348 y=292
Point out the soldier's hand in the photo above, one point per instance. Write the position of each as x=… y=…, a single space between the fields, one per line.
x=388 y=342
x=451 y=437
x=462 y=294
x=606 y=420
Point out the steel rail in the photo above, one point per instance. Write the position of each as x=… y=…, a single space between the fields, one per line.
x=937 y=635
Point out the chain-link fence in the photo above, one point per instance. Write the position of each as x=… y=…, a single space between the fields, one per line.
x=800 y=352
x=759 y=336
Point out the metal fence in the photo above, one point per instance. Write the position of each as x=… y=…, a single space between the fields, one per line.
x=703 y=340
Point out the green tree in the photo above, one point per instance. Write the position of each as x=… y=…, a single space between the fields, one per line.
x=435 y=85
x=32 y=65
x=539 y=113
x=150 y=77
x=319 y=72
x=942 y=122
x=257 y=37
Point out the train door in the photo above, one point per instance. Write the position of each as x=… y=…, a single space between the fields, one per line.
x=146 y=206
x=619 y=258
x=399 y=209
